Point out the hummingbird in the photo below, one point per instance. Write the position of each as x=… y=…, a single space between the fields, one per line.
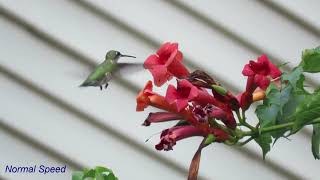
x=103 y=73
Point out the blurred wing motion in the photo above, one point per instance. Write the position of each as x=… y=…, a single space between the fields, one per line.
x=126 y=69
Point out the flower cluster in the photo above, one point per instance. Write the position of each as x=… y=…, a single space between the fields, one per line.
x=199 y=104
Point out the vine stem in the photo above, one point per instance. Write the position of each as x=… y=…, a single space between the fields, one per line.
x=277 y=127
x=242 y=120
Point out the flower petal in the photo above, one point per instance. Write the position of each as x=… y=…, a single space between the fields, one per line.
x=164 y=48
x=247 y=71
x=142 y=98
x=161 y=117
x=151 y=61
x=171 y=95
x=262 y=81
x=160 y=75
x=181 y=104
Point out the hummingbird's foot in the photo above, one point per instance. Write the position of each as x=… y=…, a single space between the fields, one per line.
x=101 y=88
x=106 y=86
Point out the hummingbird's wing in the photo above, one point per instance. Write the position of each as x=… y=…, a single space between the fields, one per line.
x=125 y=69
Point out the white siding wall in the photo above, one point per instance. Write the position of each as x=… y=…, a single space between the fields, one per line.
x=47 y=45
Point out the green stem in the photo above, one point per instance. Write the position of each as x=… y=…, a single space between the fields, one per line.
x=246 y=141
x=277 y=127
x=242 y=120
x=220 y=126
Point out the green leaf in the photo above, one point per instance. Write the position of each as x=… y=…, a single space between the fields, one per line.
x=295 y=78
x=77 y=175
x=267 y=114
x=91 y=173
x=281 y=103
x=307 y=111
x=101 y=176
x=316 y=141
x=100 y=170
x=288 y=109
x=264 y=141
x=311 y=60
x=111 y=177
x=98 y=173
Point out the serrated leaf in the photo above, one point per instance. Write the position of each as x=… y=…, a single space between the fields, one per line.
x=77 y=175
x=267 y=114
x=316 y=141
x=288 y=109
x=296 y=80
x=307 y=111
x=273 y=106
x=264 y=141
x=311 y=60
x=281 y=103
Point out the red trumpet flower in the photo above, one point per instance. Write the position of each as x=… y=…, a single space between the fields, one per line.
x=259 y=74
x=166 y=63
x=161 y=117
x=169 y=137
x=147 y=97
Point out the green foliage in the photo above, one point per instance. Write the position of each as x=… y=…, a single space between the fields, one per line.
x=291 y=107
x=264 y=140
x=98 y=173
x=307 y=111
x=280 y=104
x=311 y=60
x=316 y=141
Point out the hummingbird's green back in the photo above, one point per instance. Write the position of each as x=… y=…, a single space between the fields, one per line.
x=99 y=73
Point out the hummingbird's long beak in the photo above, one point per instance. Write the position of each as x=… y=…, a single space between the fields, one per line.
x=123 y=55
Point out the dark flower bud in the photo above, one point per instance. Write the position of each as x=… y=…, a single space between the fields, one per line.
x=201 y=79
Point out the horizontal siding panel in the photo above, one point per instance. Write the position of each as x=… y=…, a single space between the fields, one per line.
x=17 y=153
x=85 y=34
x=76 y=27
x=95 y=105
x=306 y=10
x=207 y=47
x=66 y=133
x=267 y=30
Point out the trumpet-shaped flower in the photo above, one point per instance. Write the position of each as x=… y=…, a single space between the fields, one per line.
x=259 y=75
x=161 y=117
x=261 y=71
x=166 y=63
x=169 y=137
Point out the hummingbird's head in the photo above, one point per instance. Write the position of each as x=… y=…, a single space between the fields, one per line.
x=115 y=55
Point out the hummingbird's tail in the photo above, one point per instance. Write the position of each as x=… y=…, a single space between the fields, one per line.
x=84 y=84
